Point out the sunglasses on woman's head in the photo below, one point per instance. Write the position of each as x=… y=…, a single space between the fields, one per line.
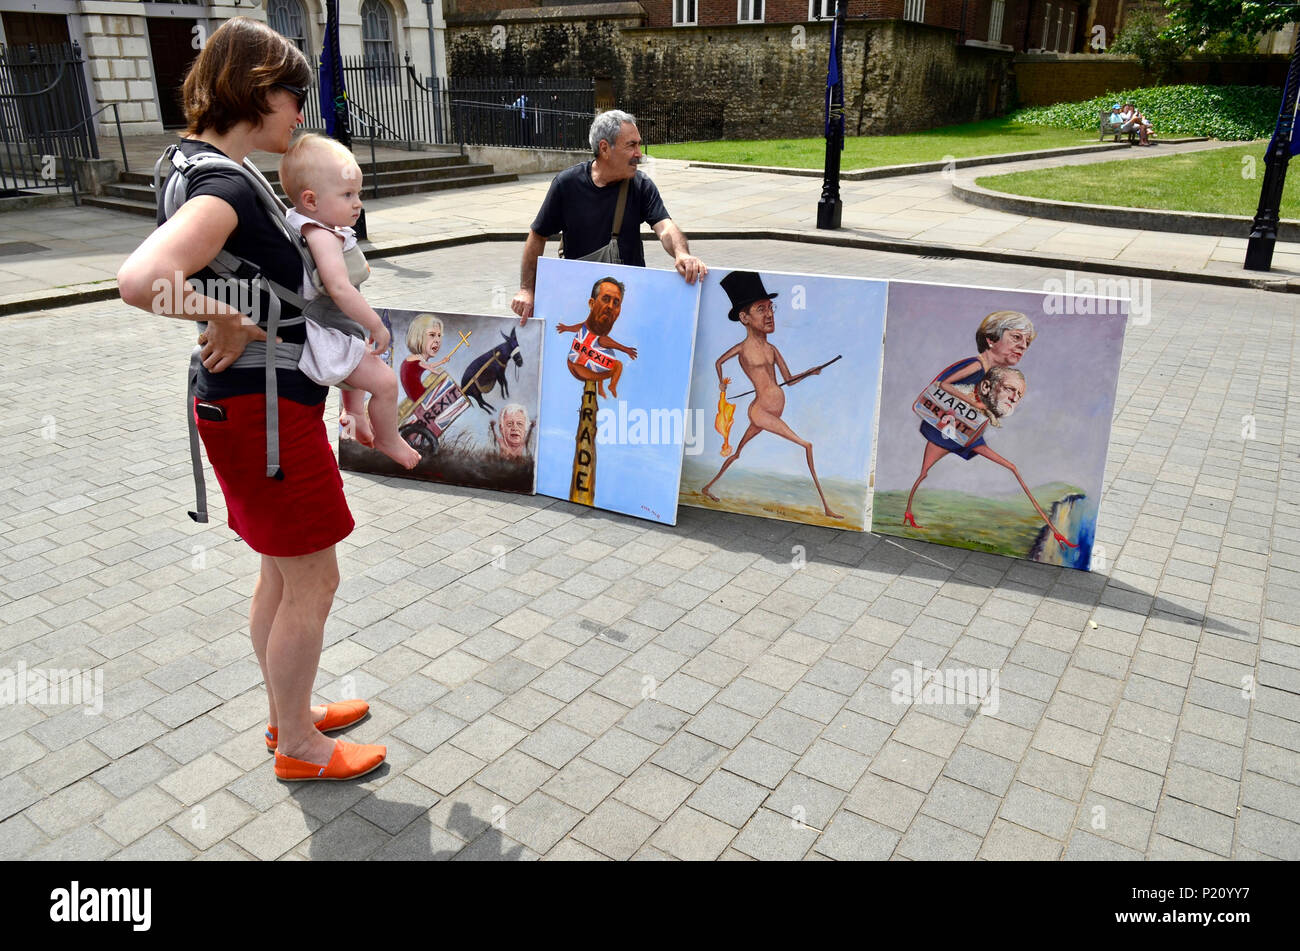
x=299 y=91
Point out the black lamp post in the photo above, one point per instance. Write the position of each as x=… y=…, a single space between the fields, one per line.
x=830 y=207
x=1263 y=232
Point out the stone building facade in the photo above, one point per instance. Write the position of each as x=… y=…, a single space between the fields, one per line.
x=746 y=80
x=137 y=51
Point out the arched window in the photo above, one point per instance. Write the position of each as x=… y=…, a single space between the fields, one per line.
x=288 y=18
x=377 y=35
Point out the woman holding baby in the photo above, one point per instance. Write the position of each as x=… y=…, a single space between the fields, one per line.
x=245 y=92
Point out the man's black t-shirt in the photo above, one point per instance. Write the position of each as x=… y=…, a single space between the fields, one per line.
x=255 y=239
x=585 y=213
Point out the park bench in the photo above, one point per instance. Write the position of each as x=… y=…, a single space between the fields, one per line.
x=1104 y=128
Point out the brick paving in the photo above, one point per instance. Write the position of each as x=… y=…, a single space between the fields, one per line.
x=721 y=703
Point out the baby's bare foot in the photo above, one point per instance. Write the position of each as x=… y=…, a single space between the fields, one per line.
x=397 y=449
x=362 y=431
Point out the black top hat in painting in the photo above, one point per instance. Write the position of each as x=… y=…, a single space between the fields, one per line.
x=744 y=287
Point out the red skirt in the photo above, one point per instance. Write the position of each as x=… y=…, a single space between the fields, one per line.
x=301 y=514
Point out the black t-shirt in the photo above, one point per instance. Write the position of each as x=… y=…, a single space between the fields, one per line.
x=585 y=213
x=255 y=239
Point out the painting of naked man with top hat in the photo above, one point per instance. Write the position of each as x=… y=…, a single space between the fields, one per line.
x=787 y=367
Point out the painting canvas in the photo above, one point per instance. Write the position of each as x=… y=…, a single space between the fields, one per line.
x=616 y=370
x=468 y=400
x=786 y=378
x=995 y=416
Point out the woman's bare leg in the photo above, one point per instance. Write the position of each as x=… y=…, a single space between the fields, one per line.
x=293 y=646
x=266 y=601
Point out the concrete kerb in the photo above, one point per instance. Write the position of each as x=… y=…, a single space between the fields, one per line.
x=919 y=168
x=1113 y=216
x=81 y=294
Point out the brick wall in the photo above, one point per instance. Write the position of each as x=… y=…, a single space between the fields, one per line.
x=1044 y=79
x=969 y=19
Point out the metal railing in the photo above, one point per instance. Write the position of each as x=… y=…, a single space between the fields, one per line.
x=408 y=110
x=42 y=90
x=699 y=120
x=519 y=125
x=44 y=120
x=361 y=122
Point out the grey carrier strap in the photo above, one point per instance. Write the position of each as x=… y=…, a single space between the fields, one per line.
x=243 y=281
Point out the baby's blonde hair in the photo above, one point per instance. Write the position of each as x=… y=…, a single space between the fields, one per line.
x=308 y=162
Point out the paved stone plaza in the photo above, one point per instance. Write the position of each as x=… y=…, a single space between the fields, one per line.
x=562 y=683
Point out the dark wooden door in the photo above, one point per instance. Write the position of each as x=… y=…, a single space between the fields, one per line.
x=171 y=41
x=42 y=29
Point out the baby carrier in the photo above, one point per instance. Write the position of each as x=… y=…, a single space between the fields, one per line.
x=244 y=280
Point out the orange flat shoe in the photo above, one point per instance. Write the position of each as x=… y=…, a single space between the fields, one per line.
x=337 y=716
x=348 y=761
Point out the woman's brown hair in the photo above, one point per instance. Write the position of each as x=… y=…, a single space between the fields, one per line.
x=239 y=66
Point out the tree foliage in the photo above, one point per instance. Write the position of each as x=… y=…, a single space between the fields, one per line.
x=1193 y=22
x=1143 y=36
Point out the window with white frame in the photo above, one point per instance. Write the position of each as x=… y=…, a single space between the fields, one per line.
x=684 y=13
x=914 y=10
x=377 y=37
x=997 y=9
x=821 y=9
x=288 y=18
x=749 y=11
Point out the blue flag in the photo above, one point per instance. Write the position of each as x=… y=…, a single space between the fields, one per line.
x=834 y=103
x=333 y=95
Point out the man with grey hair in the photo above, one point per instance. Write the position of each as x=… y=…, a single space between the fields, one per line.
x=582 y=204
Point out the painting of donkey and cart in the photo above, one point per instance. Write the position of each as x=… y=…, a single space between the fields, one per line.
x=468 y=398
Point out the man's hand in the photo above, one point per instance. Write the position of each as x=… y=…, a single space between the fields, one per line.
x=523 y=305
x=690 y=267
x=226 y=338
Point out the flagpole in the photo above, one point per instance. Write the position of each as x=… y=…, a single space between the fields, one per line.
x=830 y=207
x=1263 y=231
x=334 y=95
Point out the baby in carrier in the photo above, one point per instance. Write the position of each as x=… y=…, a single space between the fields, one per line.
x=323 y=181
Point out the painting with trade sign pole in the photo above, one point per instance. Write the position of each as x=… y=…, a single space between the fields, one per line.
x=616 y=368
x=468 y=400
x=787 y=369
x=995 y=417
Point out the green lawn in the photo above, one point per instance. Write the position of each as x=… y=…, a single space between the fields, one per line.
x=1216 y=181
x=989 y=137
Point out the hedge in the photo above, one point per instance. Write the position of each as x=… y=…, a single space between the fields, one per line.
x=1221 y=112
